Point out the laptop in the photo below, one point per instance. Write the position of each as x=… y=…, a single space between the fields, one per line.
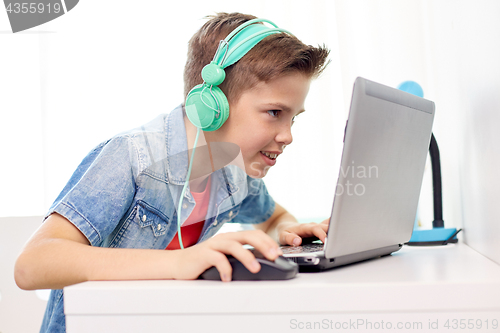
x=386 y=142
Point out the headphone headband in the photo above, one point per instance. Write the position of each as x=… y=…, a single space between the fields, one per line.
x=243 y=39
x=246 y=24
x=250 y=42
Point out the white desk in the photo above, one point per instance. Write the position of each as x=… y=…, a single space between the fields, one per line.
x=415 y=287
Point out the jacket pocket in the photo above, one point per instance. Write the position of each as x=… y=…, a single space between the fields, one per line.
x=149 y=217
x=144 y=228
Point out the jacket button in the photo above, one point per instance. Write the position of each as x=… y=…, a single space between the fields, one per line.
x=159 y=226
x=184 y=206
x=215 y=223
x=230 y=213
x=144 y=218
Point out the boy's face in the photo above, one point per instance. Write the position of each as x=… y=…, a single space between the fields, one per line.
x=260 y=121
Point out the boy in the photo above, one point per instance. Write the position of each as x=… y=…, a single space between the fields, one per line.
x=122 y=199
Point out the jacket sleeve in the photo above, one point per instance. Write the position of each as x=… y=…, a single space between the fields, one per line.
x=100 y=191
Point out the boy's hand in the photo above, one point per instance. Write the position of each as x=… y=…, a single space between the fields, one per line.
x=196 y=259
x=292 y=233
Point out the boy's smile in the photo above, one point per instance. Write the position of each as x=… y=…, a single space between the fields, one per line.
x=260 y=121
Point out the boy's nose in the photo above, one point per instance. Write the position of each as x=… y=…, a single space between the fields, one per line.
x=285 y=135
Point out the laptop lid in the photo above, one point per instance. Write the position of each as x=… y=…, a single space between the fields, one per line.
x=385 y=149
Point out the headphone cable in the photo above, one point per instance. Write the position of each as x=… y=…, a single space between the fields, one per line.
x=179 y=210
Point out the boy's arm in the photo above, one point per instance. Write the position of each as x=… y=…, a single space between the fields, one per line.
x=286 y=230
x=58 y=255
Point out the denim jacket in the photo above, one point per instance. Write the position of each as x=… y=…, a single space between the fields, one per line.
x=125 y=193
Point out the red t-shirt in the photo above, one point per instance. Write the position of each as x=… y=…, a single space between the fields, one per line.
x=192 y=227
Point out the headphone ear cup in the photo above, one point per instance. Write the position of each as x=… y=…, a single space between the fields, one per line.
x=201 y=105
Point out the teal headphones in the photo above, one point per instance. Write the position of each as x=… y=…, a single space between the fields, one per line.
x=206 y=105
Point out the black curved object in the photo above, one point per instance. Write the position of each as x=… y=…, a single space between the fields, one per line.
x=438 y=235
x=436 y=183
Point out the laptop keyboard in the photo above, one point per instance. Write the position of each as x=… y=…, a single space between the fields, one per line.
x=306 y=248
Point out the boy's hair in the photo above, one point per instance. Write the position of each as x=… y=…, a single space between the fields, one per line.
x=274 y=56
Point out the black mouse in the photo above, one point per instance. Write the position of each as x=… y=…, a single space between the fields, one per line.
x=280 y=269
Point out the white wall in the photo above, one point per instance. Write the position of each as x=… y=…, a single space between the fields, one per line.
x=465 y=51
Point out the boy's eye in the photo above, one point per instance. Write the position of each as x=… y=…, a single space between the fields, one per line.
x=273 y=113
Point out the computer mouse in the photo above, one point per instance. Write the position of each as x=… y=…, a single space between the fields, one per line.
x=280 y=269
